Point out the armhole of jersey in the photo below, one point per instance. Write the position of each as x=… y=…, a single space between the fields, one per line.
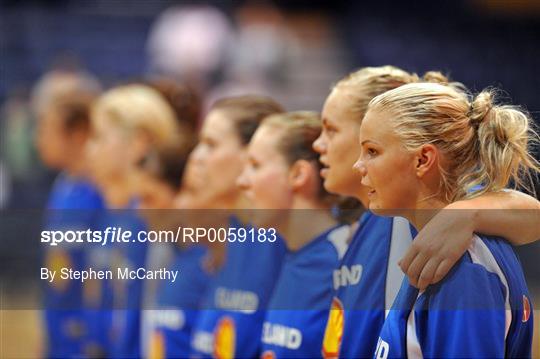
x=339 y=237
x=399 y=242
x=481 y=255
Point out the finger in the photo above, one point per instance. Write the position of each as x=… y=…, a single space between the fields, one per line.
x=409 y=257
x=442 y=270
x=428 y=272
x=416 y=267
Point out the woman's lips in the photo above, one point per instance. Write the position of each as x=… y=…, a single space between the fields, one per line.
x=324 y=172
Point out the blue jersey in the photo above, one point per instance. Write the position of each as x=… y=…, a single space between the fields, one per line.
x=178 y=304
x=482 y=309
x=295 y=322
x=99 y=300
x=74 y=193
x=365 y=284
x=128 y=294
x=237 y=300
x=71 y=206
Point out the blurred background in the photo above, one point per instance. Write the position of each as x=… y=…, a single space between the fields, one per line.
x=292 y=50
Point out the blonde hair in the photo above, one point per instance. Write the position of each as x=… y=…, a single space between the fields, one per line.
x=368 y=82
x=298 y=132
x=483 y=144
x=138 y=108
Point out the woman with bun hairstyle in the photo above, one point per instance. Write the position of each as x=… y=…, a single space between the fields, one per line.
x=281 y=178
x=368 y=277
x=230 y=321
x=424 y=146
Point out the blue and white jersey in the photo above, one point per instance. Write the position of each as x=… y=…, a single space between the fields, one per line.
x=366 y=283
x=482 y=309
x=72 y=205
x=237 y=300
x=179 y=304
x=298 y=311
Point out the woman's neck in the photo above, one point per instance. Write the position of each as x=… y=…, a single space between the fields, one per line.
x=306 y=220
x=425 y=210
x=121 y=189
x=76 y=164
x=303 y=226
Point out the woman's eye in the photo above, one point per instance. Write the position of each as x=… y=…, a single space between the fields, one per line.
x=370 y=152
x=209 y=143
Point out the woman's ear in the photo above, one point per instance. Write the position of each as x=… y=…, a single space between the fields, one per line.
x=301 y=174
x=426 y=158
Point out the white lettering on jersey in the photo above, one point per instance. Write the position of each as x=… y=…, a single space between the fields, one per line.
x=203 y=342
x=346 y=276
x=238 y=300
x=280 y=335
x=382 y=349
x=169 y=318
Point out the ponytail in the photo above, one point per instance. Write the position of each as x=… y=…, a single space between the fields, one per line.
x=505 y=136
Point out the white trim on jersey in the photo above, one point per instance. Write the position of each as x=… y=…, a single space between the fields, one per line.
x=400 y=241
x=413 y=344
x=480 y=254
x=339 y=237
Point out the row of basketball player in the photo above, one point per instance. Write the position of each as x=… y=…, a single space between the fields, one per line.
x=423 y=157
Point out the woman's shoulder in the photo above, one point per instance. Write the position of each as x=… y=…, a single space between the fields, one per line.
x=479 y=279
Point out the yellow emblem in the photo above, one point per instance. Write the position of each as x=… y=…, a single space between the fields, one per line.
x=157 y=346
x=224 y=339
x=334 y=330
x=56 y=260
x=269 y=354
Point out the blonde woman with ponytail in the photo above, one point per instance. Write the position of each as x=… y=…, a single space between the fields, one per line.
x=368 y=277
x=424 y=146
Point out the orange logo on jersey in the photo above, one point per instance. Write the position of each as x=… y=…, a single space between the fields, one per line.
x=526 y=309
x=334 y=330
x=56 y=260
x=269 y=354
x=157 y=346
x=224 y=339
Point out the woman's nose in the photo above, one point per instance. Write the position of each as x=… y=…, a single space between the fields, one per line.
x=360 y=166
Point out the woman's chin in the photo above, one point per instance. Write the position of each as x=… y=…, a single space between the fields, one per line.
x=330 y=185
